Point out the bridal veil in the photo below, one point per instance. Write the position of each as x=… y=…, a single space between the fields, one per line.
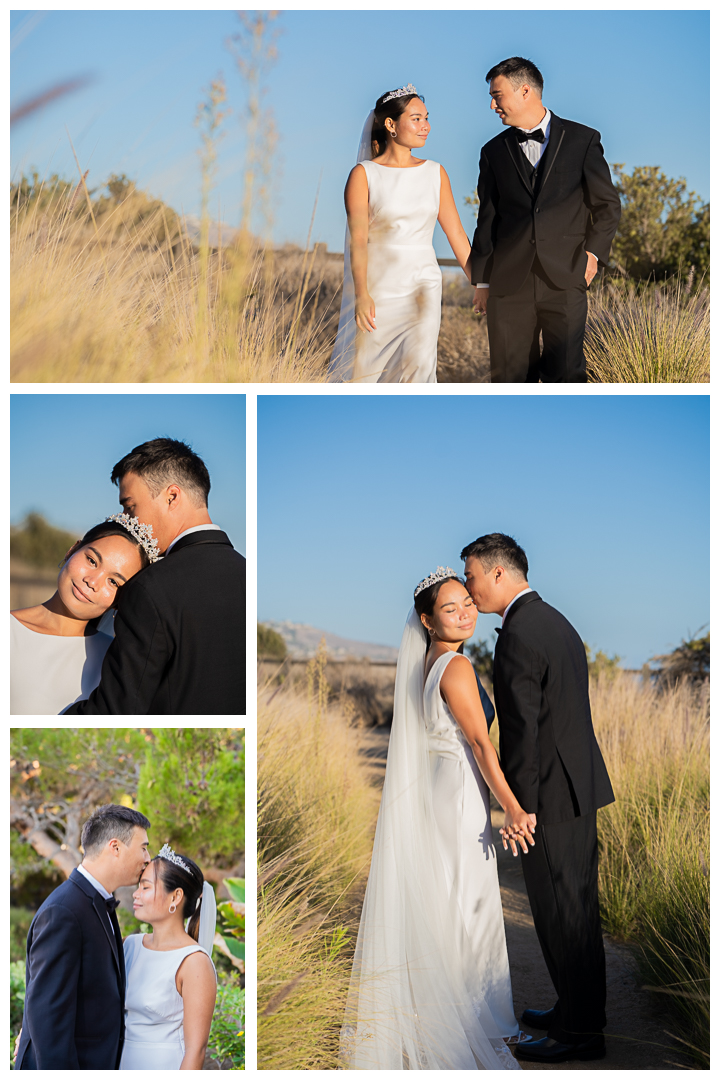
x=342 y=360
x=415 y=1000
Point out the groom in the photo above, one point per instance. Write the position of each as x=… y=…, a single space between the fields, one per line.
x=547 y=217
x=179 y=643
x=75 y=970
x=554 y=767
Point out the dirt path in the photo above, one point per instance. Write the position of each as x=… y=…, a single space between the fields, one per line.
x=636 y=1037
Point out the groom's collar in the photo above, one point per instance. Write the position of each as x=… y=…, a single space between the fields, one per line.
x=519 y=602
x=187 y=532
x=204 y=535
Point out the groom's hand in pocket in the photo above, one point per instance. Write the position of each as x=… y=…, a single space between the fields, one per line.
x=480 y=300
x=591 y=268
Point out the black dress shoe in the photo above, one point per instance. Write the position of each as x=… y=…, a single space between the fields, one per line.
x=538 y=1018
x=552 y=1052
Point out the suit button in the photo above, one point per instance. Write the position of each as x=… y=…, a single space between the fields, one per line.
x=537 y=209
x=532 y=241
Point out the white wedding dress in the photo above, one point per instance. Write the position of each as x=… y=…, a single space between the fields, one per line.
x=153 y=1007
x=404 y=279
x=430 y=987
x=461 y=806
x=49 y=673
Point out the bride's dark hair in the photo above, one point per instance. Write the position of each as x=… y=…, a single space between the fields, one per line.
x=391 y=110
x=114 y=528
x=425 y=601
x=190 y=881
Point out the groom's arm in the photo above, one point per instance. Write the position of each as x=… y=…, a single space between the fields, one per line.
x=483 y=245
x=51 y=999
x=135 y=663
x=520 y=673
x=601 y=199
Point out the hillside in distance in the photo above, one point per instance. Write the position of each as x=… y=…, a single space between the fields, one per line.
x=302 y=642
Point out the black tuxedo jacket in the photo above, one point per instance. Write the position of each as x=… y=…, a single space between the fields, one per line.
x=179 y=643
x=75 y=983
x=548 y=749
x=574 y=209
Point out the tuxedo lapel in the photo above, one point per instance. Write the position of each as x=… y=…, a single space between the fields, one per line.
x=557 y=134
x=516 y=154
x=519 y=603
x=203 y=536
x=101 y=911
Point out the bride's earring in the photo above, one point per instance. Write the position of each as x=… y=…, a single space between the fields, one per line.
x=394 y=134
x=173 y=909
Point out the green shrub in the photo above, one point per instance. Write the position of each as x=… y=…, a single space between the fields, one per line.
x=38 y=543
x=20 y=919
x=227 y=1034
x=270 y=644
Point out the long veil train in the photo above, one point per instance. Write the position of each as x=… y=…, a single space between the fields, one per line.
x=415 y=999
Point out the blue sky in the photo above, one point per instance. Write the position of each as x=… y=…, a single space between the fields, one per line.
x=360 y=497
x=640 y=77
x=63 y=448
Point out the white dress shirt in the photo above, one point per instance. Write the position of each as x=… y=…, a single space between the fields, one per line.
x=513 y=601
x=195 y=528
x=533 y=151
x=100 y=888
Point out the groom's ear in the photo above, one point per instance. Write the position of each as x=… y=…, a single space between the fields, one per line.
x=172 y=495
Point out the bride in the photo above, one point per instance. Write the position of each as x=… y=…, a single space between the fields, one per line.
x=171 y=980
x=57 y=648
x=430 y=987
x=392 y=289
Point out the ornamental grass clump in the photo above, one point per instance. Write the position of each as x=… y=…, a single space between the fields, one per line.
x=648 y=333
x=654 y=841
x=316 y=812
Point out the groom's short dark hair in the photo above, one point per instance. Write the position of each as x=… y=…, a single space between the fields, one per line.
x=497 y=549
x=110 y=822
x=518 y=70
x=167 y=461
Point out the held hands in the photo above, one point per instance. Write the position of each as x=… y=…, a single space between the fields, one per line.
x=591 y=268
x=518 y=829
x=480 y=300
x=365 y=313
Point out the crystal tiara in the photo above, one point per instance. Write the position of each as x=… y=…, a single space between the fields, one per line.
x=142 y=533
x=166 y=852
x=440 y=574
x=404 y=91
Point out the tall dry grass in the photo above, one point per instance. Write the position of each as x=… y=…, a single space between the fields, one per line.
x=123 y=298
x=648 y=334
x=655 y=844
x=316 y=811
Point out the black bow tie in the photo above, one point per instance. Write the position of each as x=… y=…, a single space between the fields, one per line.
x=111 y=903
x=526 y=136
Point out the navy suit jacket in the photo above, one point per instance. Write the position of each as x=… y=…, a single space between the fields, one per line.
x=75 y=983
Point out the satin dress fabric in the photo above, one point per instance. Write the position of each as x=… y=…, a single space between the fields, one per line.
x=461 y=807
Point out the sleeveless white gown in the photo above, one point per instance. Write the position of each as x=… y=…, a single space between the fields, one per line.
x=462 y=811
x=48 y=673
x=153 y=1007
x=404 y=280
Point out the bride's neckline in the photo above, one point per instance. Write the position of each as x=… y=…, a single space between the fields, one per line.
x=436 y=661
x=400 y=168
x=179 y=948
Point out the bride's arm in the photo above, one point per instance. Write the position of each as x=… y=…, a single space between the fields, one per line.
x=459 y=689
x=196 y=985
x=356 y=205
x=451 y=225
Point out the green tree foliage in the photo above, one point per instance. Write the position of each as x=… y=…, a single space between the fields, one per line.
x=664 y=229
x=192 y=787
x=42 y=194
x=601 y=663
x=38 y=543
x=270 y=643
x=691 y=660
x=227 y=1034
x=58 y=776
